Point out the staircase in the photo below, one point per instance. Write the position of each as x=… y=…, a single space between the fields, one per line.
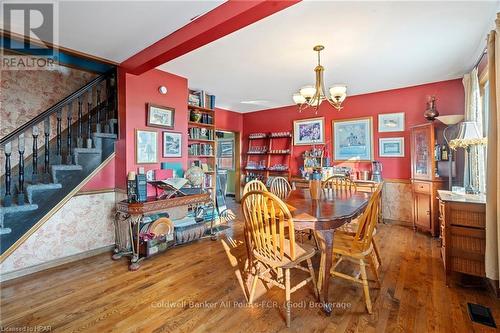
x=78 y=138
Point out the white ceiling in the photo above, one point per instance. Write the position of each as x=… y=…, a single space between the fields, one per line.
x=116 y=30
x=370 y=46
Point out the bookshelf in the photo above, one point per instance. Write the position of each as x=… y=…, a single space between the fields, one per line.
x=268 y=156
x=201 y=136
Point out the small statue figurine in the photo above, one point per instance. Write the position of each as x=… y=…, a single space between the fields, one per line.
x=431 y=113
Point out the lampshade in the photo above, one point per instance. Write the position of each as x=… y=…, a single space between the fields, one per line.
x=308 y=91
x=298 y=98
x=451 y=119
x=468 y=131
x=468 y=135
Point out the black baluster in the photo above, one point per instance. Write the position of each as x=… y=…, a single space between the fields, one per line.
x=34 y=173
x=89 y=120
x=106 y=107
x=7 y=200
x=79 y=139
x=58 y=137
x=20 y=189
x=69 y=117
x=47 y=148
x=98 y=112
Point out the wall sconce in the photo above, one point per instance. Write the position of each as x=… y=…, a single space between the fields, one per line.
x=162 y=90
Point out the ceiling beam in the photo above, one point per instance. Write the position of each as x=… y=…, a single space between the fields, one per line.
x=219 y=22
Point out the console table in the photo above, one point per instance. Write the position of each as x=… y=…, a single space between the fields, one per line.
x=129 y=216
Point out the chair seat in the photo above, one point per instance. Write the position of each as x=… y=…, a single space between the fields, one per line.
x=302 y=252
x=343 y=245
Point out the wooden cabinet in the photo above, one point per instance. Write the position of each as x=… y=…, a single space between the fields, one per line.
x=463 y=236
x=426 y=177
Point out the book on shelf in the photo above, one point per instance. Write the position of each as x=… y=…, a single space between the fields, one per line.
x=201 y=99
x=197 y=133
x=197 y=149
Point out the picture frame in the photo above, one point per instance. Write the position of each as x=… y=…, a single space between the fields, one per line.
x=391 y=147
x=353 y=139
x=160 y=116
x=225 y=154
x=172 y=144
x=391 y=122
x=309 y=131
x=146 y=146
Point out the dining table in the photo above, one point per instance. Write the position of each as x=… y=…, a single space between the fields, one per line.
x=333 y=209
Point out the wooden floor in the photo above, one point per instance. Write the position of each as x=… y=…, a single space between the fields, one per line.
x=198 y=288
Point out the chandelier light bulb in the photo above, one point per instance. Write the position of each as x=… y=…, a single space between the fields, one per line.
x=308 y=92
x=298 y=98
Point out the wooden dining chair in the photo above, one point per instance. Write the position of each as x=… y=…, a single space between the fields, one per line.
x=280 y=187
x=339 y=183
x=352 y=227
x=254 y=185
x=358 y=248
x=271 y=237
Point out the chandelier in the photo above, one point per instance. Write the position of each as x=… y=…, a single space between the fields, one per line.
x=313 y=96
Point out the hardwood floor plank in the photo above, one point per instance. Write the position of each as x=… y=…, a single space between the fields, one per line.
x=199 y=288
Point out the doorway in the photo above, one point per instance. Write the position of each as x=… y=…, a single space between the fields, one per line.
x=228 y=162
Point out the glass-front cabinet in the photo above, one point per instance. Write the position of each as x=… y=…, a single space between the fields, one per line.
x=423 y=159
x=428 y=175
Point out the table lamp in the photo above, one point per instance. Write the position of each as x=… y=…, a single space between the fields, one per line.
x=450 y=121
x=468 y=136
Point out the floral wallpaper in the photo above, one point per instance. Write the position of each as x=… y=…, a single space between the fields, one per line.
x=25 y=94
x=85 y=222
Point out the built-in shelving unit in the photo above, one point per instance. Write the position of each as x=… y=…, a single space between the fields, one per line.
x=201 y=136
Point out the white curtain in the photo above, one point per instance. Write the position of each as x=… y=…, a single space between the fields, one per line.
x=493 y=167
x=474 y=112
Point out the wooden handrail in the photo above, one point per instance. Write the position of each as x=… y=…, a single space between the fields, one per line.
x=54 y=108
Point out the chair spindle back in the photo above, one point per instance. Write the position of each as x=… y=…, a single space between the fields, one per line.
x=266 y=219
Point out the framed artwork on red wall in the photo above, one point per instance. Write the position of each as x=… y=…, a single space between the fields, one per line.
x=309 y=131
x=160 y=116
x=353 y=139
x=146 y=146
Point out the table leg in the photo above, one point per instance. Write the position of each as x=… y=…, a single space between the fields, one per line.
x=325 y=238
x=135 y=221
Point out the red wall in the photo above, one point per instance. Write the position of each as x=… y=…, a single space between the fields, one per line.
x=411 y=100
x=134 y=92
x=228 y=121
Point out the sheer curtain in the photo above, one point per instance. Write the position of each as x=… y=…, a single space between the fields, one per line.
x=493 y=172
x=474 y=112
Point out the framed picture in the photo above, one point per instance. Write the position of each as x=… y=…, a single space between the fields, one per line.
x=172 y=144
x=352 y=139
x=146 y=146
x=391 y=122
x=160 y=116
x=225 y=154
x=391 y=147
x=309 y=131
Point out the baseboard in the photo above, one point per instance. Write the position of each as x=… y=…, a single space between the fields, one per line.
x=54 y=263
x=494 y=287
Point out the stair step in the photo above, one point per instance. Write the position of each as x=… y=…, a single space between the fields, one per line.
x=105 y=135
x=40 y=187
x=17 y=208
x=84 y=151
x=64 y=167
